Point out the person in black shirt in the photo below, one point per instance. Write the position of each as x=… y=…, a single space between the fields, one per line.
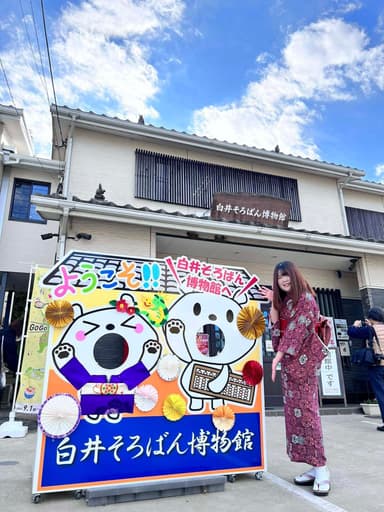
x=373 y=328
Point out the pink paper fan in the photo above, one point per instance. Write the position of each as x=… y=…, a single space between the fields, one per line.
x=146 y=397
x=252 y=373
x=59 y=415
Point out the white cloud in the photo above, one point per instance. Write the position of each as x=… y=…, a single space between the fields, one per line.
x=380 y=24
x=379 y=171
x=99 y=49
x=329 y=60
x=347 y=7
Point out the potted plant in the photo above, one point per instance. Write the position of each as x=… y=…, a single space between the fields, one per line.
x=370 y=407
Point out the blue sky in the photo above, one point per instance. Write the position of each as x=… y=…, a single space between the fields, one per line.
x=306 y=75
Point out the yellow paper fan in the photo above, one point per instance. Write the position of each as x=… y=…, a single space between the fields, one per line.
x=59 y=313
x=223 y=418
x=251 y=322
x=174 y=407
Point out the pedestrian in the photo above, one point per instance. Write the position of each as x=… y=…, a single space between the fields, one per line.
x=373 y=329
x=294 y=313
x=10 y=338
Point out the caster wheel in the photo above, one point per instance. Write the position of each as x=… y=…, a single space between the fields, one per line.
x=78 y=494
x=36 y=498
x=259 y=475
x=231 y=478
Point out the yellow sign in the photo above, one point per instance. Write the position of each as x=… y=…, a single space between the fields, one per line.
x=30 y=392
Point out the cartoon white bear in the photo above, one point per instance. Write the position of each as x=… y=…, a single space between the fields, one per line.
x=202 y=329
x=105 y=354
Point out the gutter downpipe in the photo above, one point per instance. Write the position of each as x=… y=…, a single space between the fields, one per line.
x=68 y=158
x=340 y=184
x=62 y=234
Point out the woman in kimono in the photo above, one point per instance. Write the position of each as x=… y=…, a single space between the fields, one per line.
x=294 y=313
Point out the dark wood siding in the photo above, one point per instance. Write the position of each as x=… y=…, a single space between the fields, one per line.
x=177 y=180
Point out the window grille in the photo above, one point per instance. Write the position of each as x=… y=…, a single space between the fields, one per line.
x=176 y=180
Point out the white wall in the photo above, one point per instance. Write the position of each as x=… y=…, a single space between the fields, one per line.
x=371 y=271
x=354 y=199
x=112 y=238
x=21 y=244
x=110 y=160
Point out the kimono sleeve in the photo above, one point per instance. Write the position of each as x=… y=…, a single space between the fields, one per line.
x=300 y=325
x=275 y=335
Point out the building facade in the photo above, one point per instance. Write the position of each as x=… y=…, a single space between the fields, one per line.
x=21 y=176
x=145 y=191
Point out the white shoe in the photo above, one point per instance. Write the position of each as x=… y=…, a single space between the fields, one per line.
x=306 y=478
x=321 y=485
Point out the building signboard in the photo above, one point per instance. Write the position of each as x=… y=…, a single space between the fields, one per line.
x=248 y=208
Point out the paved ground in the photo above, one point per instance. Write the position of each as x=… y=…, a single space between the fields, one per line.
x=355 y=457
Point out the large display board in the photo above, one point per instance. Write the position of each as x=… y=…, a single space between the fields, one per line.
x=153 y=371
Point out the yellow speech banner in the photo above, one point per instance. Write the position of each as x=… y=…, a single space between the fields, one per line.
x=30 y=391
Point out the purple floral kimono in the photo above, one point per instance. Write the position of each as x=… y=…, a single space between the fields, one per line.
x=299 y=376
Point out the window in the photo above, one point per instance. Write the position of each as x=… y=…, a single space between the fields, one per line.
x=365 y=224
x=21 y=207
x=177 y=180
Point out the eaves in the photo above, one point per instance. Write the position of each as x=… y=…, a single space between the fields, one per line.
x=369 y=187
x=150 y=133
x=54 y=208
x=35 y=163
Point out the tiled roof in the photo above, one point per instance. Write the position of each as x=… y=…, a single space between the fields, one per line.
x=208 y=139
x=195 y=216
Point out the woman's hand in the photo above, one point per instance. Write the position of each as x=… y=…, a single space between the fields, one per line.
x=267 y=293
x=276 y=360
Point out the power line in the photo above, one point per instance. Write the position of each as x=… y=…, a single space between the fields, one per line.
x=51 y=72
x=40 y=74
x=42 y=71
x=27 y=35
x=8 y=86
x=41 y=63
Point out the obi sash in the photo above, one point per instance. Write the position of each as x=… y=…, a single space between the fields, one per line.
x=283 y=323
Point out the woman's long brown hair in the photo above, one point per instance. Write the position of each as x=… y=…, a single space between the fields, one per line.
x=299 y=284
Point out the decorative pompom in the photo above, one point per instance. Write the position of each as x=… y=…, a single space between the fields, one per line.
x=59 y=415
x=168 y=367
x=223 y=418
x=174 y=407
x=252 y=372
x=146 y=397
x=59 y=313
x=251 y=322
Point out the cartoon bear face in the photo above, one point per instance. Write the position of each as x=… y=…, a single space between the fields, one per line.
x=202 y=327
x=106 y=342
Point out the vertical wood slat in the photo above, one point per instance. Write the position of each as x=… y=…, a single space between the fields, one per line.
x=330 y=302
x=365 y=224
x=176 y=180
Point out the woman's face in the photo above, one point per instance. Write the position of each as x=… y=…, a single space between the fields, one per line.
x=284 y=282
